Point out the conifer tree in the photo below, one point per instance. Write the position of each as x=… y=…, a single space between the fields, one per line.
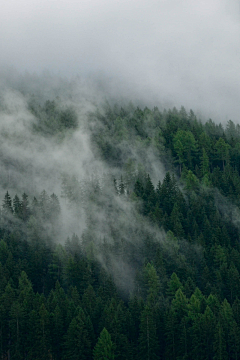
x=17 y=208
x=173 y=285
x=104 y=349
x=7 y=204
x=77 y=341
x=54 y=207
x=220 y=352
x=153 y=284
x=204 y=163
x=25 y=207
x=148 y=342
x=202 y=335
x=176 y=327
x=222 y=150
x=138 y=188
x=176 y=222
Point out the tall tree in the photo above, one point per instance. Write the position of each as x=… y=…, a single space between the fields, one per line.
x=185 y=146
x=25 y=207
x=77 y=341
x=148 y=342
x=7 y=204
x=104 y=349
x=222 y=150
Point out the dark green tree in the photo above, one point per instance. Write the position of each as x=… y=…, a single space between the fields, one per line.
x=104 y=348
x=77 y=342
x=148 y=342
x=7 y=204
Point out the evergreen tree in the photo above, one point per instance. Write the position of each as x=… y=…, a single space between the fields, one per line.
x=25 y=207
x=104 y=349
x=220 y=344
x=77 y=342
x=148 y=342
x=176 y=327
x=185 y=145
x=222 y=150
x=7 y=205
x=175 y=221
x=153 y=285
x=17 y=208
x=44 y=205
x=173 y=285
x=202 y=334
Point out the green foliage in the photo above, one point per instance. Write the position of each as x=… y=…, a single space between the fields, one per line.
x=185 y=146
x=167 y=288
x=77 y=342
x=148 y=343
x=104 y=349
x=53 y=119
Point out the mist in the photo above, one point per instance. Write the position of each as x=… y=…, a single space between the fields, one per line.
x=84 y=55
x=160 y=52
x=68 y=162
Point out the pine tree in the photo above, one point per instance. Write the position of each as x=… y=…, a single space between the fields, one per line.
x=153 y=284
x=7 y=300
x=233 y=282
x=148 y=342
x=138 y=188
x=173 y=285
x=220 y=352
x=44 y=205
x=185 y=146
x=57 y=331
x=234 y=341
x=43 y=336
x=176 y=327
x=89 y=301
x=175 y=221
x=17 y=330
x=204 y=163
x=169 y=193
x=104 y=349
x=17 y=208
x=149 y=196
x=25 y=207
x=222 y=151
x=7 y=204
x=202 y=335
x=54 y=208
x=77 y=342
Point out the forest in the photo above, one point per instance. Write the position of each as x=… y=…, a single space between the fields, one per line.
x=129 y=249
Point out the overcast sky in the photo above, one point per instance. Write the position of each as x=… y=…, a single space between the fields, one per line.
x=184 y=51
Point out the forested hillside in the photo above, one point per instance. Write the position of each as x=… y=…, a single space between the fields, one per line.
x=120 y=233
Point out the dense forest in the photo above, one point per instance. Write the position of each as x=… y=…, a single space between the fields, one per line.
x=139 y=258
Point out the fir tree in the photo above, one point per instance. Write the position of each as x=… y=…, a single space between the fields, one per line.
x=148 y=342
x=104 y=349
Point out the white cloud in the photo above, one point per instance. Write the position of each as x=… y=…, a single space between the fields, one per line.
x=184 y=51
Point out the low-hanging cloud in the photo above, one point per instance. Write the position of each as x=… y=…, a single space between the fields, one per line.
x=178 y=52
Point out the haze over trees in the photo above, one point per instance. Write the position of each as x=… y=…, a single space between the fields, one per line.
x=119 y=233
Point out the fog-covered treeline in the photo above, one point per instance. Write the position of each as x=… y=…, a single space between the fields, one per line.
x=119 y=229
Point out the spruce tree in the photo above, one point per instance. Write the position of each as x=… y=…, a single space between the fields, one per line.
x=77 y=341
x=17 y=207
x=25 y=207
x=104 y=349
x=148 y=342
x=7 y=204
